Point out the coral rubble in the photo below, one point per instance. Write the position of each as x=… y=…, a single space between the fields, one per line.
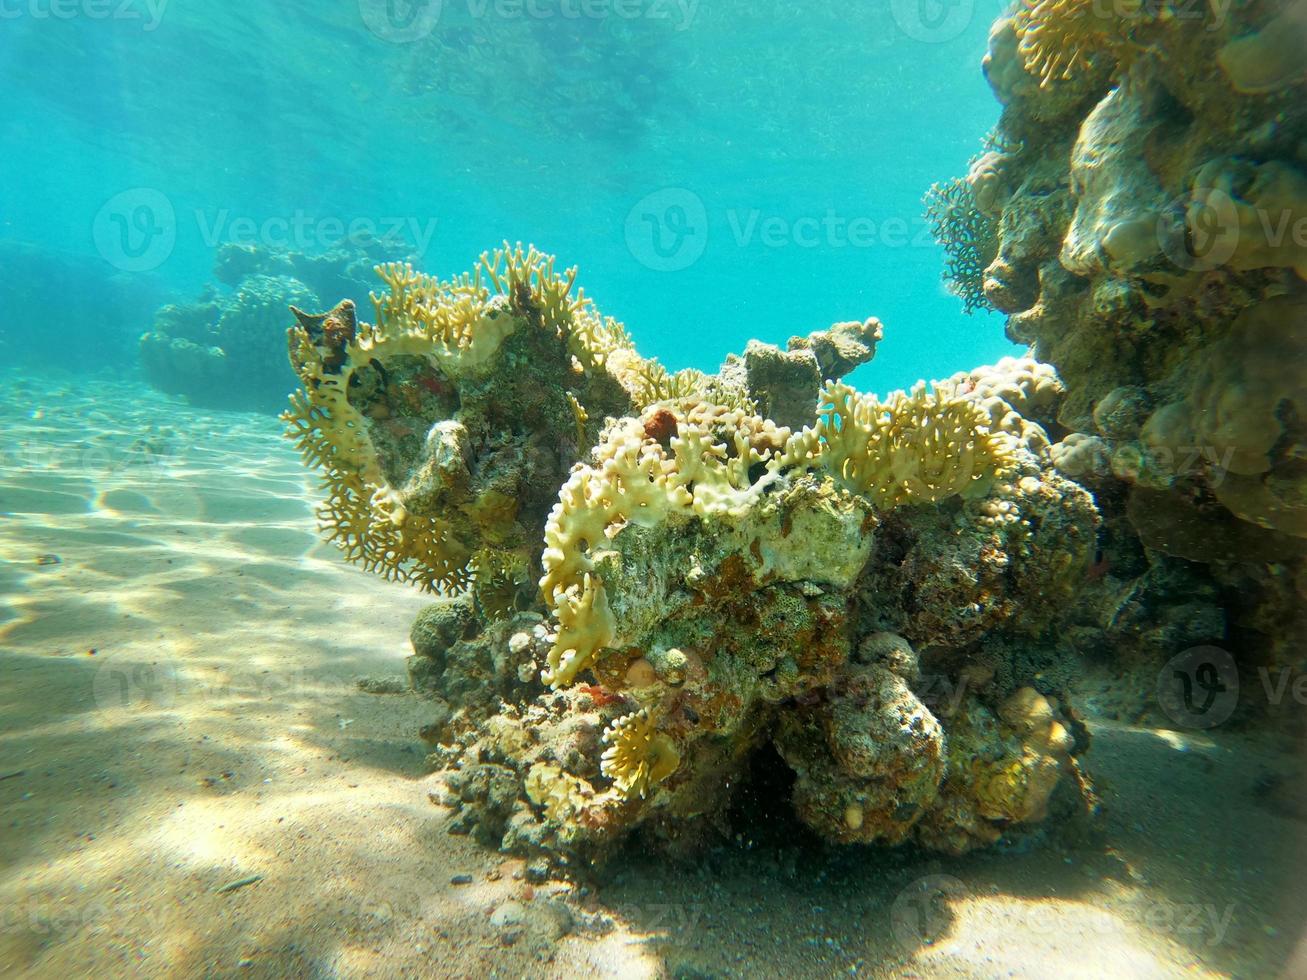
x=651 y=579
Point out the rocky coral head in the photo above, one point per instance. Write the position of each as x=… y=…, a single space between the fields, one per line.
x=331 y=332
x=340 y=328
x=706 y=571
x=335 y=328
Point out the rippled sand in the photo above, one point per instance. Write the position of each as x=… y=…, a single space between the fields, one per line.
x=179 y=712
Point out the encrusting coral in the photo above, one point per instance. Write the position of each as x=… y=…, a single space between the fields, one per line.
x=712 y=582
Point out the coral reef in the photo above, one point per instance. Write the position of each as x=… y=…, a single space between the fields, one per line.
x=1148 y=187
x=342 y=270
x=218 y=352
x=727 y=566
x=225 y=350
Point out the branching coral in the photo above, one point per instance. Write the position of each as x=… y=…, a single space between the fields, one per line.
x=585 y=626
x=442 y=337
x=703 y=470
x=688 y=386
x=913 y=448
x=361 y=513
x=968 y=237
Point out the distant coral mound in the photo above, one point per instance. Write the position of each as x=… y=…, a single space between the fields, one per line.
x=228 y=348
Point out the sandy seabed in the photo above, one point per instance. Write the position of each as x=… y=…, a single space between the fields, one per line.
x=192 y=782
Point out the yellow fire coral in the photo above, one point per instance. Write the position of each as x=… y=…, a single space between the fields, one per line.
x=362 y=514
x=921 y=447
x=638 y=756
x=455 y=328
x=585 y=626
x=636 y=479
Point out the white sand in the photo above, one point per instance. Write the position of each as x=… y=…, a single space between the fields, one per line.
x=178 y=711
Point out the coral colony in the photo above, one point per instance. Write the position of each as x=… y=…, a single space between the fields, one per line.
x=650 y=581
x=647 y=581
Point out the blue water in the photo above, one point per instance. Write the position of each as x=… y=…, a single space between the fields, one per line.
x=718 y=170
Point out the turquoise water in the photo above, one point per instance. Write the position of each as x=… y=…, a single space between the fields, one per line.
x=718 y=170
x=215 y=759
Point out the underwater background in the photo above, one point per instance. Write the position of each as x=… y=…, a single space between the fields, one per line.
x=533 y=653
x=718 y=170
